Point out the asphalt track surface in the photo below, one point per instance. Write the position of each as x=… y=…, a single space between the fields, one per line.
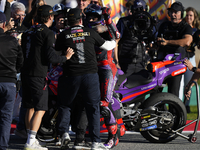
x=130 y=141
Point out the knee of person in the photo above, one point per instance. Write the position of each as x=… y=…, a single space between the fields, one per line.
x=104 y=112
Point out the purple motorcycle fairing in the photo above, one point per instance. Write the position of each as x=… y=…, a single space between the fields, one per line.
x=160 y=74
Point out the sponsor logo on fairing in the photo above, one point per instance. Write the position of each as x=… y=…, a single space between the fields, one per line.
x=164 y=71
x=147 y=87
x=146 y=117
x=180 y=71
x=148 y=128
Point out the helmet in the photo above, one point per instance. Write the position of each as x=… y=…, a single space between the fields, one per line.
x=96 y=11
x=59 y=8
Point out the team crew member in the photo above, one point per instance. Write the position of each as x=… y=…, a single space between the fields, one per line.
x=107 y=71
x=11 y=60
x=80 y=74
x=177 y=36
x=37 y=45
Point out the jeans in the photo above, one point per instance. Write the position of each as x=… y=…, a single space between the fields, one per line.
x=7 y=99
x=88 y=86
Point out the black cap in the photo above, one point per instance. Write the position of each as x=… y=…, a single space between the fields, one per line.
x=2 y=17
x=177 y=6
x=45 y=10
x=74 y=14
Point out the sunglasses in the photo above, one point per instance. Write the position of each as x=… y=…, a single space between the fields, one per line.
x=94 y=2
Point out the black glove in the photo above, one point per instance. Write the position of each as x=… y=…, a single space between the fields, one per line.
x=106 y=12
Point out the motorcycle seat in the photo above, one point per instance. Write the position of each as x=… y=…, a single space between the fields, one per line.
x=137 y=79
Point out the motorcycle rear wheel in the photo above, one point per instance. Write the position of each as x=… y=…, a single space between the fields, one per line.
x=177 y=109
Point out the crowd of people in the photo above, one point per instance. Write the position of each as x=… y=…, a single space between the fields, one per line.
x=80 y=36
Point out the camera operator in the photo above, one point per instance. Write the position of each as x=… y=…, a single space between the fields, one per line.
x=17 y=13
x=174 y=37
x=131 y=53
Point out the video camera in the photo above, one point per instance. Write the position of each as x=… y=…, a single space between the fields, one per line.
x=143 y=25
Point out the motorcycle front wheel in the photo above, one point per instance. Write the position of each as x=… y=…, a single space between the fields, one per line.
x=166 y=102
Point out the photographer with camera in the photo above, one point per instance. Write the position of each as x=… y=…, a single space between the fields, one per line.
x=133 y=29
x=17 y=14
x=174 y=37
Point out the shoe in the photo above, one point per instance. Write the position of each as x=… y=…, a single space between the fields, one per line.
x=34 y=146
x=111 y=142
x=84 y=145
x=65 y=140
x=113 y=136
x=21 y=133
x=43 y=144
x=188 y=109
x=98 y=146
x=58 y=141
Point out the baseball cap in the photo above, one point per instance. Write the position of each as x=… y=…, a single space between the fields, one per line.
x=138 y=4
x=2 y=17
x=46 y=10
x=177 y=6
x=74 y=14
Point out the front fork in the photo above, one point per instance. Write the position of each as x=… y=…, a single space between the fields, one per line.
x=191 y=137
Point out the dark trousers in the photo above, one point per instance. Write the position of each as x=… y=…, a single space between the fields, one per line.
x=7 y=99
x=22 y=113
x=174 y=84
x=79 y=121
x=88 y=86
x=21 y=123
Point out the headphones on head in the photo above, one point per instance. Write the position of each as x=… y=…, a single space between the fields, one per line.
x=147 y=8
x=183 y=12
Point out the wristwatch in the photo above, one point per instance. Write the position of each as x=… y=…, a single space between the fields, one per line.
x=194 y=69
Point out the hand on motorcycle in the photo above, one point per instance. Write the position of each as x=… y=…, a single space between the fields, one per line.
x=69 y=52
x=188 y=64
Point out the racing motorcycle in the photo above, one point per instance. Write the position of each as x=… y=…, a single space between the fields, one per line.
x=159 y=118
